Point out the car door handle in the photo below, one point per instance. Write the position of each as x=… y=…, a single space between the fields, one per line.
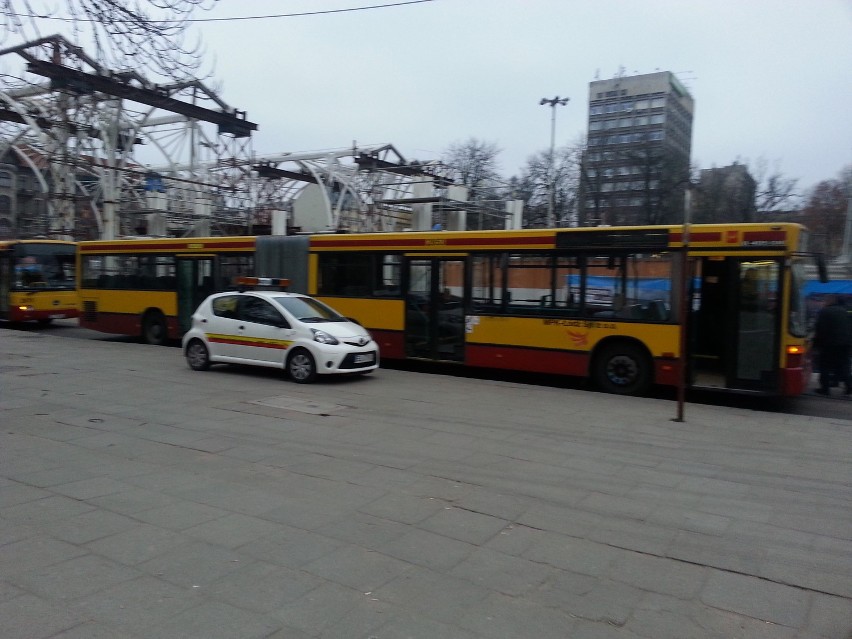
x=242 y=328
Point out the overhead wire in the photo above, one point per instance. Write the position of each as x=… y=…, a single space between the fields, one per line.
x=234 y=18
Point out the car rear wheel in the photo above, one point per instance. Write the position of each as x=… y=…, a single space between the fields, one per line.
x=197 y=355
x=302 y=367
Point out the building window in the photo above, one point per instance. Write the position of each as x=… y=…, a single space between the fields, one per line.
x=5 y=180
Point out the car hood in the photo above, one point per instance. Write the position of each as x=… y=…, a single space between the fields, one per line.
x=341 y=330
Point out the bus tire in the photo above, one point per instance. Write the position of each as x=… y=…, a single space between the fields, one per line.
x=301 y=366
x=154 y=329
x=622 y=368
x=197 y=355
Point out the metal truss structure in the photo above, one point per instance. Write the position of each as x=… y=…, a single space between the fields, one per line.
x=112 y=154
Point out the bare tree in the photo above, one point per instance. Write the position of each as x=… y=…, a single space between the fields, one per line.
x=775 y=193
x=825 y=214
x=474 y=162
x=538 y=176
x=126 y=34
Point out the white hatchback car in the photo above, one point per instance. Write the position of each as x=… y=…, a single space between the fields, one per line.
x=280 y=330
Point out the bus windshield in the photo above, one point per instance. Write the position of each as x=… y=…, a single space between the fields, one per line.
x=44 y=266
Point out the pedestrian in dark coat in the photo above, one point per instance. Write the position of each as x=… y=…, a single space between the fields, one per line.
x=833 y=341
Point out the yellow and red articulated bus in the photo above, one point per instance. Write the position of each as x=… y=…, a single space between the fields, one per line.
x=37 y=281
x=604 y=303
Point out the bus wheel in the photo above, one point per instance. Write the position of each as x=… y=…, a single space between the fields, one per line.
x=622 y=368
x=154 y=329
x=197 y=355
x=301 y=367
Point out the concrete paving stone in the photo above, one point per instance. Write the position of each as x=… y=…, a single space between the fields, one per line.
x=428 y=549
x=93 y=487
x=306 y=514
x=412 y=625
x=433 y=594
x=214 y=620
x=464 y=525
x=679 y=518
x=75 y=578
x=506 y=574
x=261 y=587
x=658 y=574
x=735 y=507
x=664 y=617
x=831 y=574
x=388 y=478
x=193 y=565
x=288 y=632
x=132 y=501
x=35 y=552
x=96 y=630
x=503 y=617
x=577 y=555
x=46 y=510
x=231 y=497
x=830 y=616
x=584 y=629
x=133 y=606
x=615 y=505
x=8 y=591
x=404 y=508
x=291 y=547
x=716 y=552
x=364 y=530
x=29 y=617
x=814 y=522
x=497 y=504
x=560 y=519
x=139 y=544
x=757 y=598
x=629 y=535
x=599 y=600
x=180 y=516
x=439 y=488
x=515 y=539
x=55 y=476
x=362 y=620
x=16 y=492
x=232 y=530
x=320 y=609
x=355 y=567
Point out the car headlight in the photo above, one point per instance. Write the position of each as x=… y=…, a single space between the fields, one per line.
x=322 y=337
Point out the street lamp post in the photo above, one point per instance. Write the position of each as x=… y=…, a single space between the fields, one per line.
x=552 y=102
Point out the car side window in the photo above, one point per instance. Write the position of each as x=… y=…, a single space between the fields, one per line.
x=225 y=306
x=259 y=311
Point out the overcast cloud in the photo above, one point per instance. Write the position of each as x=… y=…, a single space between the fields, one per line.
x=771 y=79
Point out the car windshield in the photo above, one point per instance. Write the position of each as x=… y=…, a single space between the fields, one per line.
x=307 y=309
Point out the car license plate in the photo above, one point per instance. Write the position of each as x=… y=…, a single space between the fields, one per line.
x=366 y=358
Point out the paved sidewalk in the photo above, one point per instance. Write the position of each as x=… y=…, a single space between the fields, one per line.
x=140 y=499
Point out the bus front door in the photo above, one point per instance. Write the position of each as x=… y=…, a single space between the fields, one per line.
x=194 y=283
x=734 y=336
x=434 y=318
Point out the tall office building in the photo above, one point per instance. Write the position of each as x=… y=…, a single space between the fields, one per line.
x=636 y=166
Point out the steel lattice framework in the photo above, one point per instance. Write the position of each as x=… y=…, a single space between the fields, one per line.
x=112 y=154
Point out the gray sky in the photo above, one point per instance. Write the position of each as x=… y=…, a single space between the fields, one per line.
x=771 y=79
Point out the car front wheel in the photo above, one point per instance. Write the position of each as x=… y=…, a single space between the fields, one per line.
x=302 y=367
x=197 y=355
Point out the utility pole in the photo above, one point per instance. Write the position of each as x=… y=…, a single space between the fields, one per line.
x=552 y=102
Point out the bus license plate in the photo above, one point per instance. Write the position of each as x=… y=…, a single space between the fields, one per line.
x=366 y=358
